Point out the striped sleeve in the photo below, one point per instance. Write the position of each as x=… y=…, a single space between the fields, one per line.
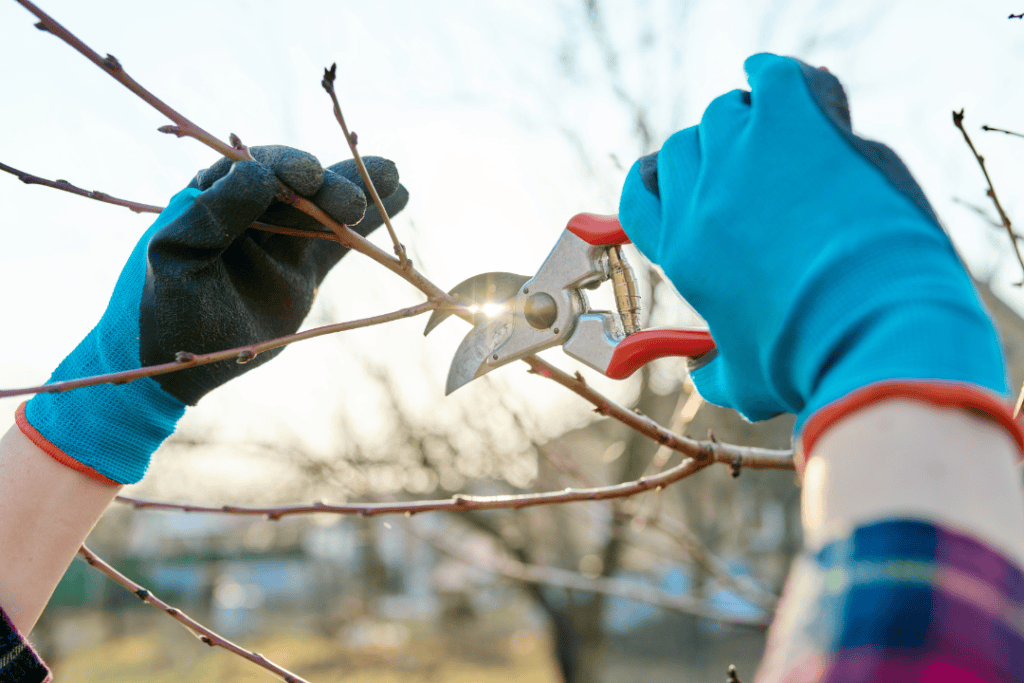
x=19 y=663
x=900 y=600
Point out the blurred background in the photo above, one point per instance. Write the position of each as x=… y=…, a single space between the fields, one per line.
x=505 y=119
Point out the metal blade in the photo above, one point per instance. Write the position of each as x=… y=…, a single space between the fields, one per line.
x=470 y=359
x=478 y=290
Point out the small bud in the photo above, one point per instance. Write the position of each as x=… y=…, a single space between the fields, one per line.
x=142 y=594
x=171 y=130
x=245 y=356
x=42 y=27
x=184 y=357
x=111 y=64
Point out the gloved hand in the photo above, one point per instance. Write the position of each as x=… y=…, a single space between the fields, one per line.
x=201 y=280
x=813 y=255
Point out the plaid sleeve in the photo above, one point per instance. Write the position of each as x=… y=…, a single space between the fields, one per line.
x=19 y=663
x=900 y=600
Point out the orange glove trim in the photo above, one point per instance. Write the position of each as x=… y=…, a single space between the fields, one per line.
x=942 y=394
x=57 y=454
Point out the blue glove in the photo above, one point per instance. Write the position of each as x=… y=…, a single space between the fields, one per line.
x=200 y=280
x=813 y=254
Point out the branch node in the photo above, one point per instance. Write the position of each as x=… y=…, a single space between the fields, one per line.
x=245 y=356
x=184 y=357
x=353 y=138
x=41 y=26
x=207 y=640
x=110 y=63
x=142 y=594
x=736 y=466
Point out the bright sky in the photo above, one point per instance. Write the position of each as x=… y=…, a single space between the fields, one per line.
x=505 y=119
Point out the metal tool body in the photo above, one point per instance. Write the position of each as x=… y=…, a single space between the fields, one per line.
x=552 y=309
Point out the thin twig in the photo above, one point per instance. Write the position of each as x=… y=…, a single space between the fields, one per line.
x=554 y=576
x=64 y=185
x=350 y=138
x=958 y=121
x=750 y=457
x=241 y=354
x=182 y=126
x=1001 y=130
x=733 y=676
x=203 y=633
x=138 y=207
x=456 y=503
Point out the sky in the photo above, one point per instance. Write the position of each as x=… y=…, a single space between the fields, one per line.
x=505 y=119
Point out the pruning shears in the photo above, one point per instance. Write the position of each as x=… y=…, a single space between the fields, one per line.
x=516 y=316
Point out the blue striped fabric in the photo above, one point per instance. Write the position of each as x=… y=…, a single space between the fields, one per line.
x=903 y=601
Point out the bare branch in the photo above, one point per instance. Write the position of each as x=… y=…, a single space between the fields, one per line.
x=1001 y=130
x=182 y=127
x=202 y=632
x=350 y=138
x=456 y=503
x=749 y=457
x=241 y=354
x=958 y=121
x=64 y=185
x=554 y=576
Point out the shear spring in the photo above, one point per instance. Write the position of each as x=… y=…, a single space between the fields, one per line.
x=624 y=283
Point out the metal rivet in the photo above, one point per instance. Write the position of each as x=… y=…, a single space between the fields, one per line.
x=555 y=330
x=495 y=356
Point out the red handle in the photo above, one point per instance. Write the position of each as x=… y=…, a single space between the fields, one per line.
x=597 y=230
x=637 y=350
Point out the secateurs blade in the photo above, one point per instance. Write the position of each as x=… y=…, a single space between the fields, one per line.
x=552 y=309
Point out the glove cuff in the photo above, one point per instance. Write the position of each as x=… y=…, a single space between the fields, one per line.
x=107 y=430
x=57 y=454
x=942 y=394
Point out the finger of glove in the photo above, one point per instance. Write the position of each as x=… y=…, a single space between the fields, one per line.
x=786 y=82
x=382 y=172
x=713 y=383
x=640 y=212
x=338 y=197
x=221 y=213
x=343 y=197
x=326 y=254
x=301 y=171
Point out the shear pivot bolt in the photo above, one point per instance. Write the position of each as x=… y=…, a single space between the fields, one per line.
x=540 y=310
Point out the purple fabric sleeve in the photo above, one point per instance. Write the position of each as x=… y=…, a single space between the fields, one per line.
x=901 y=600
x=19 y=663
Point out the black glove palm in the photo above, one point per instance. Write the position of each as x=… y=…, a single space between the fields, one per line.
x=214 y=283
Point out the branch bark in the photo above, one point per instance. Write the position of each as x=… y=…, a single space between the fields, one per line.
x=204 y=634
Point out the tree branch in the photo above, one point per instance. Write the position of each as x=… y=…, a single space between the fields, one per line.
x=241 y=354
x=351 y=139
x=958 y=121
x=64 y=185
x=202 y=632
x=456 y=503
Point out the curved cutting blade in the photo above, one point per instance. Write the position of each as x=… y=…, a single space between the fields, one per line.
x=485 y=288
x=470 y=359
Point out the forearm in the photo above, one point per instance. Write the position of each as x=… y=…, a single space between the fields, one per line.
x=46 y=511
x=914 y=552
x=905 y=459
